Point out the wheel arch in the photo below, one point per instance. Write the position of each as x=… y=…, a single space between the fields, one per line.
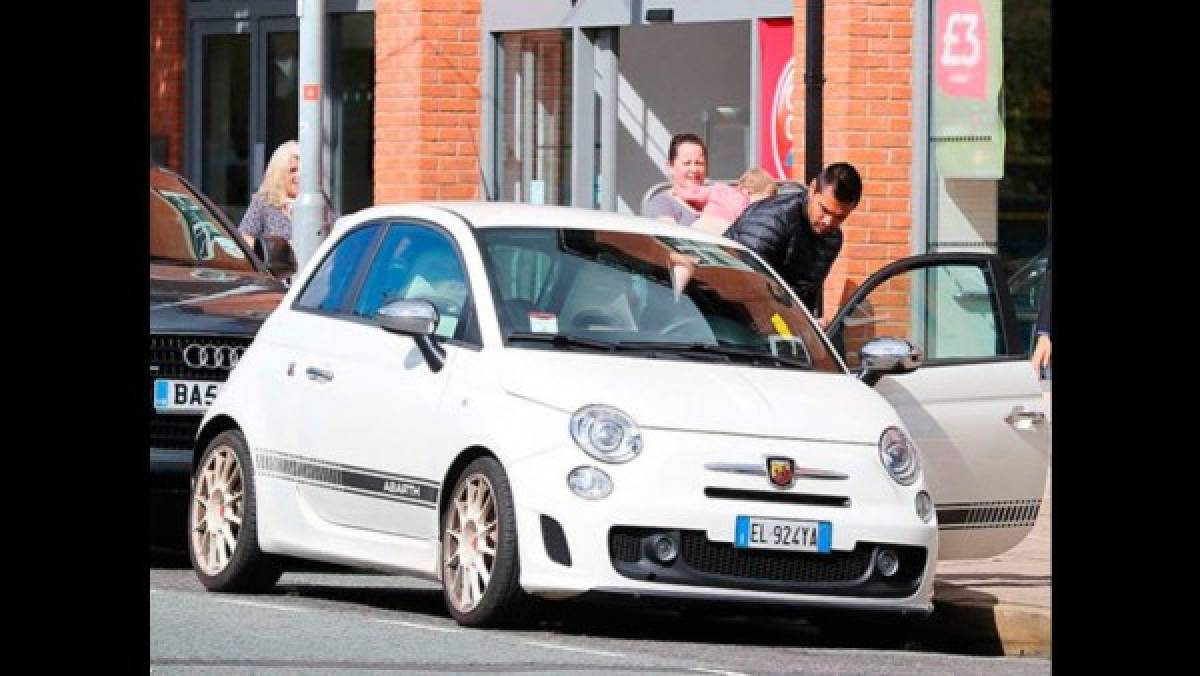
x=465 y=457
x=219 y=423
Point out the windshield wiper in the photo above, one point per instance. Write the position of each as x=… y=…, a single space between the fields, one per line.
x=561 y=340
x=730 y=352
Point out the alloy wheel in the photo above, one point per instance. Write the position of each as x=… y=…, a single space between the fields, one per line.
x=216 y=510
x=469 y=545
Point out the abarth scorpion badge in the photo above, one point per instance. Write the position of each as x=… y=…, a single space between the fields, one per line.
x=781 y=471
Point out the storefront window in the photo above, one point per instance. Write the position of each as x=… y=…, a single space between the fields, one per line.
x=225 y=114
x=533 y=125
x=989 y=128
x=354 y=111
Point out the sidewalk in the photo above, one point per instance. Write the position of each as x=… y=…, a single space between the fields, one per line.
x=1003 y=601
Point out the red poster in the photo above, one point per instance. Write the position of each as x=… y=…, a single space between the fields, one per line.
x=961 y=49
x=778 y=67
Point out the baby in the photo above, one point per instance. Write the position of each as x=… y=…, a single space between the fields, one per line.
x=725 y=203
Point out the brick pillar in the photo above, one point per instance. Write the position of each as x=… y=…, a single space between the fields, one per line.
x=868 y=123
x=427 y=106
x=167 y=27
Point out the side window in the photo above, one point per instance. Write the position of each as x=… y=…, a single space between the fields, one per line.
x=416 y=262
x=949 y=311
x=327 y=289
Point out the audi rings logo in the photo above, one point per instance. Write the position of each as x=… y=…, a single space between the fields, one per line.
x=202 y=356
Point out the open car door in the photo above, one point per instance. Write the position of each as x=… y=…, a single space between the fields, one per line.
x=974 y=406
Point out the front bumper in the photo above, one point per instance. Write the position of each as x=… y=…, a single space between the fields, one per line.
x=662 y=492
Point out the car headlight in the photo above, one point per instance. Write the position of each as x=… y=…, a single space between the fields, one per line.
x=606 y=434
x=899 y=456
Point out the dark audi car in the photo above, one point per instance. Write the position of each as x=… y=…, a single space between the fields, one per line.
x=209 y=293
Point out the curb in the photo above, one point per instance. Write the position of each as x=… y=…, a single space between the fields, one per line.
x=1010 y=629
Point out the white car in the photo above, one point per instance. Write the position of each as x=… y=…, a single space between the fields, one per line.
x=517 y=400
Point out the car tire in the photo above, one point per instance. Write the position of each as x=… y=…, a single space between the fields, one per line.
x=223 y=522
x=479 y=565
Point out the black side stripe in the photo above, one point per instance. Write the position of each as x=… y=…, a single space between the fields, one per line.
x=350 y=468
x=344 y=489
x=996 y=514
x=392 y=487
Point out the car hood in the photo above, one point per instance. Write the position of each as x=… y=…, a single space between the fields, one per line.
x=696 y=396
x=206 y=300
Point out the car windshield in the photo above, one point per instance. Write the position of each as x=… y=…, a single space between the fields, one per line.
x=183 y=231
x=637 y=294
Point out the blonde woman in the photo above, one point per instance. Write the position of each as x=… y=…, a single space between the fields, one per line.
x=270 y=210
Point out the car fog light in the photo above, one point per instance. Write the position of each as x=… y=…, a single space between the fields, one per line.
x=924 y=505
x=888 y=562
x=664 y=549
x=589 y=483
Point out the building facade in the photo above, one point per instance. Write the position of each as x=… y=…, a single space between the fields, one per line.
x=943 y=105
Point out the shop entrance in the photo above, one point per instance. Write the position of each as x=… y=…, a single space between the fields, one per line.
x=243 y=100
x=681 y=78
x=582 y=106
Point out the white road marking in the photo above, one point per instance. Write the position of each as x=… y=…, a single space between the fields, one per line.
x=414 y=625
x=602 y=653
x=256 y=604
x=716 y=671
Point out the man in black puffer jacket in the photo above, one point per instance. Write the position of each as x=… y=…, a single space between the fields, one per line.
x=799 y=233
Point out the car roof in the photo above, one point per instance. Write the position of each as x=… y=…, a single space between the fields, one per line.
x=480 y=214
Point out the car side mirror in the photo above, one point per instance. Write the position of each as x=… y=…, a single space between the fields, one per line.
x=416 y=318
x=888 y=356
x=276 y=253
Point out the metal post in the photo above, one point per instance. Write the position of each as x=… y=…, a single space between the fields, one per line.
x=308 y=214
x=814 y=80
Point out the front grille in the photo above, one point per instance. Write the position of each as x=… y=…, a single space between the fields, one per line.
x=720 y=564
x=625 y=544
x=763 y=564
x=166 y=352
x=178 y=432
x=778 y=496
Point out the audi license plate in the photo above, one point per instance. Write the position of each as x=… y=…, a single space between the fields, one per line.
x=755 y=532
x=184 y=396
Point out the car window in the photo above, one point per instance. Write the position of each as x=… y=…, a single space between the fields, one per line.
x=666 y=296
x=1025 y=288
x=184 y=232
x=949 y=311
x=416 y=262
x=329 y=287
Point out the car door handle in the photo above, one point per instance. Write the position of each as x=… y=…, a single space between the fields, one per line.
x=319 y=375
x=1023 y=419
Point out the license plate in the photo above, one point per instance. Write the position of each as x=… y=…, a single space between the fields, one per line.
x=184 y=396
x=754 y=532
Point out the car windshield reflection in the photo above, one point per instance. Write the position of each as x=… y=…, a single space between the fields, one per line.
x=633 y=293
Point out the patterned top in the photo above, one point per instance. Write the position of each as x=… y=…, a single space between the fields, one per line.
x=262 y=219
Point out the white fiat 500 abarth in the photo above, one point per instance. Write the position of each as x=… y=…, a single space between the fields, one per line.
x=529 y=401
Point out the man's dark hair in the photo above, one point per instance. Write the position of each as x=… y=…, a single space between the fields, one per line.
x=847 y=184
x=679 y=139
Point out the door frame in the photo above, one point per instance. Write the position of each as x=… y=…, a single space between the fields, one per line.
x=1006 y=312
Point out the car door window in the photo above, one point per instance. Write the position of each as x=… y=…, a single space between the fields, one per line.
x=416 y=262
x=949 y=311
x=332 y=283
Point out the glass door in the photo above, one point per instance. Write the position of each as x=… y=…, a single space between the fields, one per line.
x=280 y=40
x=533 y=119
x=220 y=158
x=277 y=82
x=246 y=104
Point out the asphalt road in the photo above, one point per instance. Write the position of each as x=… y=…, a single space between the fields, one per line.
x=350 y=623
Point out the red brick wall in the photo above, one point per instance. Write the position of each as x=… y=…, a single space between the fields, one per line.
x=867 y=122
x=167 y=22
x=427 y=105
